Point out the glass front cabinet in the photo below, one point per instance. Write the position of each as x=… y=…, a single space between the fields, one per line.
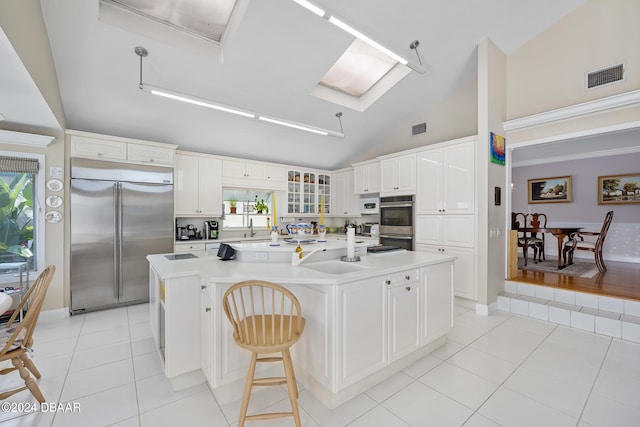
x=308 y=192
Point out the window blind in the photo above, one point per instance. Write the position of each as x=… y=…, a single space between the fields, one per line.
x=18 y=164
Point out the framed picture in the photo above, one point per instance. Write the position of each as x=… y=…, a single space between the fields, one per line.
x=619 y=189
x=496 y=148
x=550 y=190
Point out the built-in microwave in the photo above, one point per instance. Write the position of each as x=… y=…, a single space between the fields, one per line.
x=369 y=205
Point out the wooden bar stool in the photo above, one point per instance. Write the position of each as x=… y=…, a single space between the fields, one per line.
x=266 y=319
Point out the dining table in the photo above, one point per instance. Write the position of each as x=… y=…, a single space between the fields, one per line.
x=559 y=232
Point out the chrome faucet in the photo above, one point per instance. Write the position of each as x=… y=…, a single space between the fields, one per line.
x=296 y=259
x=251 y=232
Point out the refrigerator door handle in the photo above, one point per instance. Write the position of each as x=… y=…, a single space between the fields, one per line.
x=119 y=241
x=115 y=240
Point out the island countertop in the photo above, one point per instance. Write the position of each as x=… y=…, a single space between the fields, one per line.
x=212 y=269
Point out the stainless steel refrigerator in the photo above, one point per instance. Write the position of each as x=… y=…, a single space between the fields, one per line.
x=119 y=213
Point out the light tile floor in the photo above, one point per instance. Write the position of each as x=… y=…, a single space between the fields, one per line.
x=501 y=370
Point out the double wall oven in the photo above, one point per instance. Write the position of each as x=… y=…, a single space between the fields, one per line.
x=396 y=221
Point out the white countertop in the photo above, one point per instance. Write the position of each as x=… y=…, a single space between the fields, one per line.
x=212 y=269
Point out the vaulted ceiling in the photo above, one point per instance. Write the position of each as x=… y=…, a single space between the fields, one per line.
x=274 y=56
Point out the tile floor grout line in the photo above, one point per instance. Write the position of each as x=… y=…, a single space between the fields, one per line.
x=595 y=380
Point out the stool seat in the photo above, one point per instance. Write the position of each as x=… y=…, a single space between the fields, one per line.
x=266 y=319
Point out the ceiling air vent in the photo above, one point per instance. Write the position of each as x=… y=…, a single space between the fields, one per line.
x=418 y=129
x=605 y=76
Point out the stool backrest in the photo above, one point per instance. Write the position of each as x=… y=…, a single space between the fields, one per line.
x=263 y=313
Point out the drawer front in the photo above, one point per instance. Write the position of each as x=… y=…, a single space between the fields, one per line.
x=150 y=154
x=189 y=247
x=404 y=277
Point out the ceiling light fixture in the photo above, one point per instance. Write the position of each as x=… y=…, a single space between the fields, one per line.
x=201 y=102
x=312 y=7
x=359 y=35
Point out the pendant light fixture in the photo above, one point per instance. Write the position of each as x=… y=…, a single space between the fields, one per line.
x=202 y=102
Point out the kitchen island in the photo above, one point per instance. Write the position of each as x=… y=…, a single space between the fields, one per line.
x=365 y=320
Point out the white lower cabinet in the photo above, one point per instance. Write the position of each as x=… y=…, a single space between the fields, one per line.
x=437 y=301
x=451 y=235
x=206 y=330
x=361 y=343
x=403 y=312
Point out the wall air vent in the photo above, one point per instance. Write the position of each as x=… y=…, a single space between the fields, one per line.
x=418 y=129
x=605 y=76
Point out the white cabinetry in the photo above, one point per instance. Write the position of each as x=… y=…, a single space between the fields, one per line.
x=253 y=174
x=111 y=148
x=345 y=202
x=403 y=312
x=197 y=186
x=361 y=323
x=206 y=331
x=446 y=179
x=304 y=189
x=366 y=178
x=437 y=301
x=445 y=207
x=190 y=247
x=398 y=175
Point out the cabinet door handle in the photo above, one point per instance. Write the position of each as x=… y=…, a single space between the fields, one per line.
x=388 y=282
x=207 y=309
x=203 y=286
x=407 y=277
x=408 y=288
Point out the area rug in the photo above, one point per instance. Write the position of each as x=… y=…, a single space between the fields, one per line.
x=581 y=269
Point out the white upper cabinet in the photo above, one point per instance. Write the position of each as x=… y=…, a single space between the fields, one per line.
x=197 y=186
x=116 y=149
x=345 y=201
x=446 y=180
x=237 y=173
x=367 y=178
x=398 y=175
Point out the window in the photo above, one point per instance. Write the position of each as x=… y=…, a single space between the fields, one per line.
x=358 y=69
x=243 y=207
x=19 y=245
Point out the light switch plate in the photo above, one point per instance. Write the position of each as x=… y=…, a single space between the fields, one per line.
x=55 y=172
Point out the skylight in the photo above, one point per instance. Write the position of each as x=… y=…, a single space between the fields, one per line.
x=358 y=69
x=203 y=18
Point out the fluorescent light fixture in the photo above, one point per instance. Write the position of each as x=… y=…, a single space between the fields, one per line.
x=201 y=102
x=312 y=7
x=195 y=101
x=293 y=125
x=338 y=23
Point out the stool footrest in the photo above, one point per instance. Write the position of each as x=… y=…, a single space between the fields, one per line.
x=269 y=381
x=270 y=359
x=269 y=415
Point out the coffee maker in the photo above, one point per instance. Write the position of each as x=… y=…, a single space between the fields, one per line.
x=211 y=229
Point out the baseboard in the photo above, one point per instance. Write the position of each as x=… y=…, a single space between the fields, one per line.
x=53 y=315
x=486 y=310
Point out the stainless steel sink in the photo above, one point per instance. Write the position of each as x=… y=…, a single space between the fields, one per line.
x=335 y=267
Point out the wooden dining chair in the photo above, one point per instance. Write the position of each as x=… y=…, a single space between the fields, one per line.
x=519 y=221
x=16 y=340
x=538 y=220
x=266 y=318
x=578 y=242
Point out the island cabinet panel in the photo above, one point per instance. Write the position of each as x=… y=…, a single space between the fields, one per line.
x=361 y=325
x=206 y=330
x=403 y=310
x=437 y=301
x=311 y=354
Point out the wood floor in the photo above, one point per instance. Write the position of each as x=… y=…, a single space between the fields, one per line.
x=621 y=280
